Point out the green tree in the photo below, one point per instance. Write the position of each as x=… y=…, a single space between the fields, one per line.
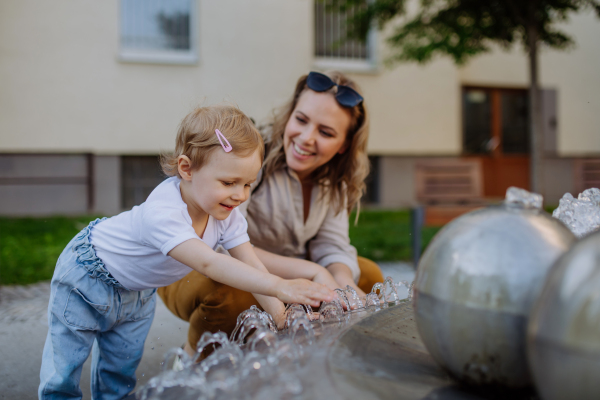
x=462 y=29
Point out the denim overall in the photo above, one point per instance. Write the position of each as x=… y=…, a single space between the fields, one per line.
x=89 y=308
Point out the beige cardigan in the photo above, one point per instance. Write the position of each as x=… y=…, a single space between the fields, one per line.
x=275 y=216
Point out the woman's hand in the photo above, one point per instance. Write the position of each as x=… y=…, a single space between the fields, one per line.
x=325 y=278
x=343 y=276
x=359 y=292
x=279 y=319
x=294 y=268
x=303 y=291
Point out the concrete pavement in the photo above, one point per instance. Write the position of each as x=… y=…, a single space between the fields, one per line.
x=23 y=329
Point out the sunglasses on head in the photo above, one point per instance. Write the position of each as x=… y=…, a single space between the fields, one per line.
x=345 y=96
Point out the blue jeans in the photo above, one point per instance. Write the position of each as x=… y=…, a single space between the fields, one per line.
x=89 y=308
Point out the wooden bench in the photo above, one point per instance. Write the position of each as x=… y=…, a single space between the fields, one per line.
x=587 y=174
x=446 y=189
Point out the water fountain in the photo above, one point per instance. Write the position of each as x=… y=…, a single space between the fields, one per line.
x=475 y=286
x=564 y=329
x=582 y=214
x=256 y=360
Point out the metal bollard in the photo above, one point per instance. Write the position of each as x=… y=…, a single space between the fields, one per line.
x=417 y=218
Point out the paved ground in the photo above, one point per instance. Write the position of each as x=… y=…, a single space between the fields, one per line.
x=23 y=328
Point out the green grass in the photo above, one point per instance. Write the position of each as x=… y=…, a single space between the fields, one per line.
x=29 y=247
x=383 y=235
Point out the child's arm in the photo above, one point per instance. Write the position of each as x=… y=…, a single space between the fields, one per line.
x=292 y=268
x=224 y=269
x=273 y=306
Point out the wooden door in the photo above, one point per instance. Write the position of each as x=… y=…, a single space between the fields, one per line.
x=496 y=131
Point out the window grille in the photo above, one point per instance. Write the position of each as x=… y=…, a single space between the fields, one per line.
x=330 y=34
x=587 y=174
x=157 y=30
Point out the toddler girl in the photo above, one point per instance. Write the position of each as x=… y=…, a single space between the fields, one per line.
x=103 y=289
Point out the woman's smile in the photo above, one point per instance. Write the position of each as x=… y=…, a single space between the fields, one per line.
x=315 y=132
x=301 y=152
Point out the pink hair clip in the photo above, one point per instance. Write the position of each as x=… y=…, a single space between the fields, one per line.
x=227 y=147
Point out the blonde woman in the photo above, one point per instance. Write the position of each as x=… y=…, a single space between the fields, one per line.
x=313 y=176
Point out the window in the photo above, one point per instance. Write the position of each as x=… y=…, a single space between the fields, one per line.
x=158 y=31
x=495 y=121
x=496 y=132
x=331 y=48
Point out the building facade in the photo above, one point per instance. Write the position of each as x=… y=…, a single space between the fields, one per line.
x=92 y=92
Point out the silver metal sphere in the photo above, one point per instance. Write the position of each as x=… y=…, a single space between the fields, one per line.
x=475 y=286
x=563 y=336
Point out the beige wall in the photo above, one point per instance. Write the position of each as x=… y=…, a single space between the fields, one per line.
x=414 y=109
x=397 y=186
x=63 y=90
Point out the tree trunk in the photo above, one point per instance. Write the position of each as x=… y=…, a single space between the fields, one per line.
x=535 y=119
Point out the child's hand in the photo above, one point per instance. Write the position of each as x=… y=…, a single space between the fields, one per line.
x=303 y=291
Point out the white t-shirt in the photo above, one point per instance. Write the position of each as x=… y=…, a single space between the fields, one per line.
x=134 y=244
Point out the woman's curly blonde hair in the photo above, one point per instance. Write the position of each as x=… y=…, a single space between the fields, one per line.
x=344 y=175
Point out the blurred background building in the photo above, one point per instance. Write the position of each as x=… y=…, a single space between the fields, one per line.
x=92 y=91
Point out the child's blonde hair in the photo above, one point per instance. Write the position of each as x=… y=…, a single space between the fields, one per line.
x=196 y=136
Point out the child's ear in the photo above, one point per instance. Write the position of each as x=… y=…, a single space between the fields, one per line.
x=184 y=167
